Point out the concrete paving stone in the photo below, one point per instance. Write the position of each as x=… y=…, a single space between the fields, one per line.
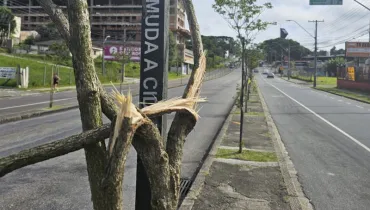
x=256 y=130
x=234 y=187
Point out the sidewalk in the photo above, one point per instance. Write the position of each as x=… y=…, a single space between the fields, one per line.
x=252 y=180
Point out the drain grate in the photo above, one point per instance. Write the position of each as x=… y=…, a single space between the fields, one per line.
x=185 y=185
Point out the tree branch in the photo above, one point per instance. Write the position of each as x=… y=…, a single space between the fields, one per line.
x=183 y=123
x=53 y=149
x=57 y=15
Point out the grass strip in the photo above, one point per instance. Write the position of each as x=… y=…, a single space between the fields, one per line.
x=247 y=155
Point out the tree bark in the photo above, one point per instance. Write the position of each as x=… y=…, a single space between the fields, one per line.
x=57 y=16
x=88 y=96
x=52 y=150
x=149 y=146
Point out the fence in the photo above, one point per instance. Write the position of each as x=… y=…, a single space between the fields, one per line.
x=354 y=78
x=209 y=75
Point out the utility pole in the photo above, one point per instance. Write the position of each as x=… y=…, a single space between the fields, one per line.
x=314 y=76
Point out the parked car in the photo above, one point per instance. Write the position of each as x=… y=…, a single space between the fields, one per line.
x=270 y=75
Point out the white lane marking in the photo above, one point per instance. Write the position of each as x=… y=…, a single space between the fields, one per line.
x=331 y=174
x=332 y=97
x=323 y=119
x=348 y=103
x=340 y=100
x=360 y=107
x=44 y=102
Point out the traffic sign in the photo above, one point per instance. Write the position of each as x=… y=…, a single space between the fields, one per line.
x=326 y=2
x=7 y=72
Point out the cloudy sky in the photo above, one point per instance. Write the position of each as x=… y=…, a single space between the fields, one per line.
x=347 y=22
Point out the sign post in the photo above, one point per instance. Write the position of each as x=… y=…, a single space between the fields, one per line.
x=326 y=2
x=358 y=49
x=153 y=79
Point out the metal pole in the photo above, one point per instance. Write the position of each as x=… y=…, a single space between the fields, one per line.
x=51 y=88
x=241 y=101
x=314 y=76
x=44 y=75
x=102 y=58
x=289 y=70
x=9 y=30
x=123 y=60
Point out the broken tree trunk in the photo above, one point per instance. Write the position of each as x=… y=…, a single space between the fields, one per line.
x=183 y=124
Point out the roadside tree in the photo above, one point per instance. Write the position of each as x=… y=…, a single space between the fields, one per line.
x=6 y=20
x=129 y=124
x=243 y=17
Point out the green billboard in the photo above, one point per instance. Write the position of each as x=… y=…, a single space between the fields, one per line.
x=326 y=2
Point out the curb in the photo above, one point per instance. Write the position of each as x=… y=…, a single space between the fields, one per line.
x=196 y=187
x=42 y=113
x=297 y=198
x=355 y=99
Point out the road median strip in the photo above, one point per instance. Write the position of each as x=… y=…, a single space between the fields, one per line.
x=228 y=173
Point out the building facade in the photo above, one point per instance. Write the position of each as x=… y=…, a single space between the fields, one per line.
x=120 y=19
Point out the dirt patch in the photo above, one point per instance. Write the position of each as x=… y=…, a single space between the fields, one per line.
x=235 y=187
x=256 y=130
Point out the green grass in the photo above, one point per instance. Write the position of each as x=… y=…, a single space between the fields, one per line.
x=3 y=50
x=66 y=73
x=364 y=97
x=237 y=111
x=55 y=107
x=326 y=80
x=319 y=80
x=256 y=113
x=247 y=155
x=303 y=78
x=173 y=75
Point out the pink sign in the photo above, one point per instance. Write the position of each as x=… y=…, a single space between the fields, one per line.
x=111 y=52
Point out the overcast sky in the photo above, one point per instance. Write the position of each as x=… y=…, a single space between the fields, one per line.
x=341 y=23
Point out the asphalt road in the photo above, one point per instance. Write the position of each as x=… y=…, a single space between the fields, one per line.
x=62 y=183
x=18 y=105
x=327 y=138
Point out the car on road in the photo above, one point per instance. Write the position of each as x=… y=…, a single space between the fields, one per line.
x=255 y=70
x=270 y=75
x=265 y=72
